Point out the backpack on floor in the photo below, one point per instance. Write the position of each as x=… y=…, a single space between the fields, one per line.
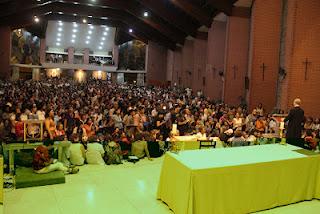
x=154 y=149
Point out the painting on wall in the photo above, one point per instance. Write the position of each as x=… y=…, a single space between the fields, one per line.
x=25 y=48
x=132 y=55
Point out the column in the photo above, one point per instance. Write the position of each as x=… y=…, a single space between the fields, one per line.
x=115 y=55
x=15 y=73
x=36 y=74
x=236 y=56
x=71 y=55
x=86 y=56
x=264 y=53
x=5 y=48
x=43 y=47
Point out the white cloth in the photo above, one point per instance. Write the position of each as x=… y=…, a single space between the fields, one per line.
x=58 y=166
x=76 y=157
x=94 y=154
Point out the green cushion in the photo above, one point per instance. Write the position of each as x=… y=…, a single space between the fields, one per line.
x=25 y=177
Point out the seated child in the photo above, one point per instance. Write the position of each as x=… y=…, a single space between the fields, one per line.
x=310 y=140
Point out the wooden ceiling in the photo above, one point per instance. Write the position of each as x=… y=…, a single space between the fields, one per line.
x=168 y=23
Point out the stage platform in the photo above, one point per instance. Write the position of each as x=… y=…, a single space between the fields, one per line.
x=238 y=180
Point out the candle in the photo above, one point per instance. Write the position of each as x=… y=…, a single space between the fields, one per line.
x=281 y=125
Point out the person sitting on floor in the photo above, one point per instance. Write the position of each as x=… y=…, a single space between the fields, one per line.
x=77 y=151
x=310 y=140
x=139 y=147
x=238 y=139
x=43 y=163
x=94 y=153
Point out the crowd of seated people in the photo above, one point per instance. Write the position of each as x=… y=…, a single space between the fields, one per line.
x=127 y=116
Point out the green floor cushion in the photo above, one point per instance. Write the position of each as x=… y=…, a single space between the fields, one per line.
x=25 y=177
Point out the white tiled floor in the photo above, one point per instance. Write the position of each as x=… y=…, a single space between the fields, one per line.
x=128 y=189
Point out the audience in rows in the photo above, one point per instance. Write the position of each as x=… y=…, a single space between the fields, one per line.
x=126 y=115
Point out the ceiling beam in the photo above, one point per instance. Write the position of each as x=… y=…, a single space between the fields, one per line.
x=164 y=9
x=136 y=9
x=201 y=15
x=19 y=6
x=224 y=6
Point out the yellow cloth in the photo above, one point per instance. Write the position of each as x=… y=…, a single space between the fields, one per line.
x=238 y=180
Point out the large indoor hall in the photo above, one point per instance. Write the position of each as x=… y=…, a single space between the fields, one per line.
x=159 y=107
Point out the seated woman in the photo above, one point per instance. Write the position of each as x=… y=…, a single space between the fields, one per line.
x=238 y=139
x=140 y=147
x=94 y=153
x=89 y=128
x=43 y=163
x=310 y=140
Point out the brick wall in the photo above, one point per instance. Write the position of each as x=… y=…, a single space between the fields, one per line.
x=265 y=46
x=302 y=41
x=215 y=60
x=237 y=47
x=156 y=64
x=199 y=65
x=5 y=47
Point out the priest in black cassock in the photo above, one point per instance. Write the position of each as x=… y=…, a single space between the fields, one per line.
x=295 y=121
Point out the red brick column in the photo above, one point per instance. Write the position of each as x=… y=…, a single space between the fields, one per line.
x=237 y=53
x=264 y=48
x=302 y=41
x=5 y=52
x=215 y=60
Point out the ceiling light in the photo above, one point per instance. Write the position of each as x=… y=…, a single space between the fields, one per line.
x=89 y=32
x=58 y=39
x=105 y=33
x=58 y=44
x=74 y=30
x=36 y=19
x=59 y=34
x=75 y=2
x=91 y=27
x=100 y=47
x=105 y=18
x=74 y=14
x=60 y=23
x=107 y=29
x=87 y=42
x=73 y=36
x=103 y=38
x=90 y=16
x=88 y=37
x=59 y=29
x=146 y=14
x=60 y=13
x=72 y=41
x=75 y=24
x=101 y=43
x=130 y=30
x=84 y=20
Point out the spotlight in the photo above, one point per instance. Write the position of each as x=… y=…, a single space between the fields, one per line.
x=146 y=14
x=89 y=32
x=58 y=39
x=84 y=20
x=60 y=23
x=100 y=48
x=105 y=33
x=88 y=37
x=72 y=41
x=74 y=30
x=103 y=38
x=59 y=34
x=101 y=43
x=107 y=29
x=75 y=24
x=59 y=29
x=130 y=30
x=73 y=36
x=91 y=27
x=36 y=19
x=87 y=42
x=58 y=44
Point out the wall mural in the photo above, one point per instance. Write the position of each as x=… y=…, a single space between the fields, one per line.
x=132 y=55
x=25 y=48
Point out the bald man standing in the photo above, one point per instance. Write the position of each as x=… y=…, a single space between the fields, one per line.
x=295 y=121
